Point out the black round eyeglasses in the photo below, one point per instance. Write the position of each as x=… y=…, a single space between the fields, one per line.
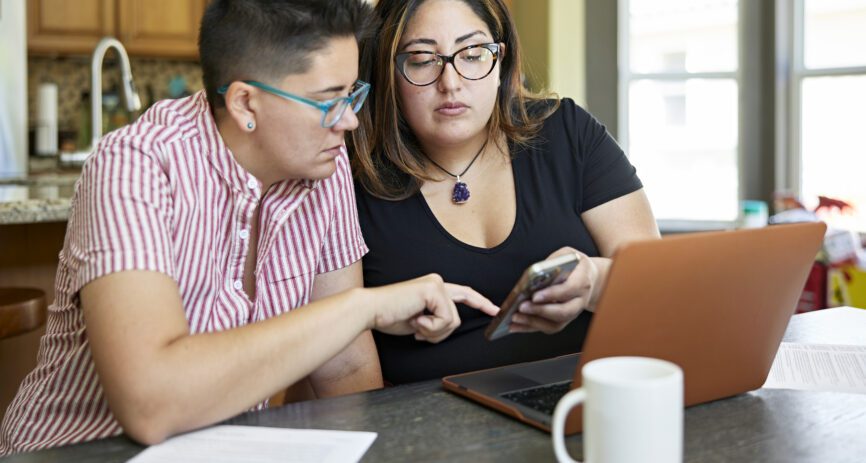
x=474 y=62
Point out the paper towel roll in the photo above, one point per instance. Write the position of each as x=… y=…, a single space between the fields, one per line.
x=46 y=120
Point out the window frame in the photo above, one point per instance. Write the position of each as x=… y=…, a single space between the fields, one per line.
x=792 y=72
x=625 y=79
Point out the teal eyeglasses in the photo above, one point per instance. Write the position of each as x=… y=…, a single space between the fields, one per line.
x=332 y=110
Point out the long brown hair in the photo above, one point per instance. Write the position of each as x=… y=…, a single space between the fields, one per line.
x=386 y=156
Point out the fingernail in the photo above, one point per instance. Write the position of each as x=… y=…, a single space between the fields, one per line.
x=539 y=297
x=524 y=307
x=517 y=318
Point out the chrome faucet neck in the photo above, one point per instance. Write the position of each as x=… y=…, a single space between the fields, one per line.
x=133 y=102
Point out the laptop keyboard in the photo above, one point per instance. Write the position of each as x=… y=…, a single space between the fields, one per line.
x=542 y=398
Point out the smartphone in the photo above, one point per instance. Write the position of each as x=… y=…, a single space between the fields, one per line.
x=538 y=276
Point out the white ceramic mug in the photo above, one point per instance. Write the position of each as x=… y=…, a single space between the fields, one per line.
x=633 y=411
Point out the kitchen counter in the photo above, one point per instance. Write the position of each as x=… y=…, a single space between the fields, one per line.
x=45 y=195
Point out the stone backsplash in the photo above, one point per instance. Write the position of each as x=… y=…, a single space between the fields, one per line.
x=72 y=76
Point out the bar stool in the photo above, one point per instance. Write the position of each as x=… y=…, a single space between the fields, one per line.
x=21 y=310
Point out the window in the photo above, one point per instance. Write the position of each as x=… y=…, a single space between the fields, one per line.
x=679 y=91
x=827 y=125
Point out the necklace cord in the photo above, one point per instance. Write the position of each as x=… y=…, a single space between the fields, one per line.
x=457 y=176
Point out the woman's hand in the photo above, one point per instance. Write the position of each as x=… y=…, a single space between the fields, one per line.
x=552 y=308
x=424 y=306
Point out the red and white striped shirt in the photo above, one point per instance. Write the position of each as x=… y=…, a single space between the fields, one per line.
x=166 y=194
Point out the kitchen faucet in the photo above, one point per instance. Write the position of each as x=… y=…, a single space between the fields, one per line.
x=133 y=102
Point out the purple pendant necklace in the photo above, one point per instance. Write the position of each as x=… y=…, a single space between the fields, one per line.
x=460 y=194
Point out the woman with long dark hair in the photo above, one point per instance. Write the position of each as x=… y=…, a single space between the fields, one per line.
x=461 y=171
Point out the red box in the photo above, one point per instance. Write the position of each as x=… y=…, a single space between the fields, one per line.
x=814 y=294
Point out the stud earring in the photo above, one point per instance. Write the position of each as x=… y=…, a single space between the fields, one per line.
x=250 y=125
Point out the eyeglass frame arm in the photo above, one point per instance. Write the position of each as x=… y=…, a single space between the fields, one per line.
x=324 y=106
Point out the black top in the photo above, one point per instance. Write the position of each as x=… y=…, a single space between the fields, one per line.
x=572 y=167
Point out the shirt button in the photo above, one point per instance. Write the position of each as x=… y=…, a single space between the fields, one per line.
x=244 y=234
x=238 y=284
x=252 y=184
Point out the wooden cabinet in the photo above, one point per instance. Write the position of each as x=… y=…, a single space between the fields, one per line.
x=68 y=27
x=158 y=28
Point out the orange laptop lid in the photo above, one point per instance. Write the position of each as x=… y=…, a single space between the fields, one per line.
x=717 y=304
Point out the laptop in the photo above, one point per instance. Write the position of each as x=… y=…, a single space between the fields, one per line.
x=717 y=304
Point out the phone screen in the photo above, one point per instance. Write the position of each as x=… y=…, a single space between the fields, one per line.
x=538 y=276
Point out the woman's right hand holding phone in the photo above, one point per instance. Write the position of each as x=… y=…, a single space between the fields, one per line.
x=553 y=308
x=424 y=306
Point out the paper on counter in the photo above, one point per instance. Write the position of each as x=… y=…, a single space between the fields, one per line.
x=819 y=367
x=254 y=444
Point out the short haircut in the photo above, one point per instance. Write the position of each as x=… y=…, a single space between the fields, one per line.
x=270 y=39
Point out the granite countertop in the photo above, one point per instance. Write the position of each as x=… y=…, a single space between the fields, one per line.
x=44 y=195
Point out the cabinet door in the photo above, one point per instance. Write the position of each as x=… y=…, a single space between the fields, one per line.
x=64 y=27
x=166 y=28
